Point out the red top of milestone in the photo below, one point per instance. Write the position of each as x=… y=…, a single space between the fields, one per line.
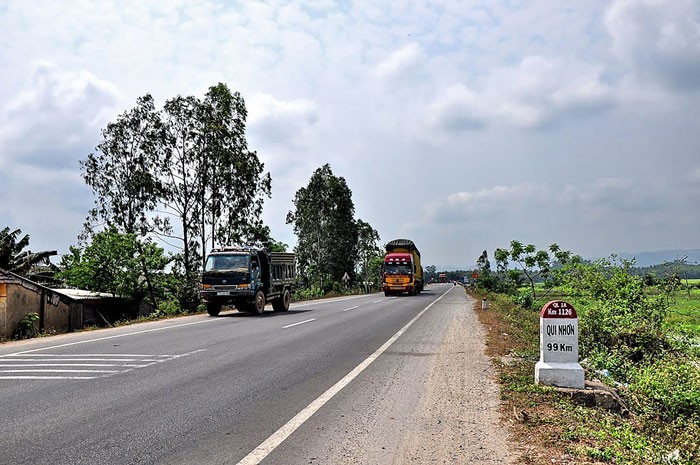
x=558 y=309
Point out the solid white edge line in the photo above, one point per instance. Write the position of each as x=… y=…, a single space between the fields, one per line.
x=297 y=324
x=258 y=454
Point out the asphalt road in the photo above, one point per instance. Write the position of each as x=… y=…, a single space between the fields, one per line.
x=231 y=389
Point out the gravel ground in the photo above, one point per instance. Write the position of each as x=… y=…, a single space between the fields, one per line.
x=458 y=419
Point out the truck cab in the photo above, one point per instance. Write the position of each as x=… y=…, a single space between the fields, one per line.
x=398 y=277
x=248 y=278
x=402 y=271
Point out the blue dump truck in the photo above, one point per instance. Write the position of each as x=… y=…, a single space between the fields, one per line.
x=248 y=278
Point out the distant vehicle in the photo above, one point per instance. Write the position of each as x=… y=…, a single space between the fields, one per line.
x=248 y=278
x=402 y=272
x=442 y=277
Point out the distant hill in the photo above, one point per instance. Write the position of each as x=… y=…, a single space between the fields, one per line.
x=658 y=257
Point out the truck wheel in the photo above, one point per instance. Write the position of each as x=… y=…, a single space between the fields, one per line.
x=213 y=308
x=386 y=294
x=281 y=304
x=258 y=306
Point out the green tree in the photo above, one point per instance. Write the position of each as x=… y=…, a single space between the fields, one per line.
x=538 y=264
x=232 y=183
x=191 y=162
x=483 y=264
x=14 y=258
x=367 y=250
x=259 y=236
x=181 y=197
x=430 y=273
x=117 y=263
x=214 y=186
x=326 y=231
x=124 y=171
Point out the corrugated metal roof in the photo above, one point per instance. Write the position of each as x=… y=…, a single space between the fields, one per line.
x=82 y=294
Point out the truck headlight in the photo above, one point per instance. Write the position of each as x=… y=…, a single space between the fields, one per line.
x=206 y=286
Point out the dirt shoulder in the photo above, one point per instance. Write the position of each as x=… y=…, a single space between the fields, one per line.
x=432 y=398
x=459 y=419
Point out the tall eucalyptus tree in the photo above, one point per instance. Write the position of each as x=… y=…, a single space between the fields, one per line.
x=124 y=170
x=325 y=228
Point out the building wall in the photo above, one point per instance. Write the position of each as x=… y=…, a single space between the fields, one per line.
x=3 y=310
x=18 y=301
x=57 y=314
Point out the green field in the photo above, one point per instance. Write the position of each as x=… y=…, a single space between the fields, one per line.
x=684 y=306
x=684 y=310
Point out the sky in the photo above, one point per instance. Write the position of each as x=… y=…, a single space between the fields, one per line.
x=461 y=125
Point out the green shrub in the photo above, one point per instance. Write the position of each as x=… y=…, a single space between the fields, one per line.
x=27 y=327
x=623 y=330
x=307 y=293
x=169 y=307
x=523 y=298
x=667 y=390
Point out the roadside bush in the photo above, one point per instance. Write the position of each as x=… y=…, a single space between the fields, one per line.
x=624 y=329
x=524 y=299
x=619 y=338
x=27 y=327
x=169 y=307
x=306 y=293
x=667 y=390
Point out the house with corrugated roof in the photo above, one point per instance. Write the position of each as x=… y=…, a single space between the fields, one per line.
x=59 y=310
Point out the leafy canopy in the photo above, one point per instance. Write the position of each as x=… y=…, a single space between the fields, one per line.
x=326 y=230
x=116 y=263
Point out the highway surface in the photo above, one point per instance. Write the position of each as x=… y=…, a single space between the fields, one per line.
x=283 y=388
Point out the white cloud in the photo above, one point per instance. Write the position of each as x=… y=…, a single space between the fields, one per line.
x=451 y=98
x=534 y=93
x=401 y=62
x=457 y=108
x=60 y=113
x=658 y=39
x=281 y=121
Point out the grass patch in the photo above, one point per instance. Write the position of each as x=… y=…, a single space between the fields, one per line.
x=554 y=430
x=684 y=312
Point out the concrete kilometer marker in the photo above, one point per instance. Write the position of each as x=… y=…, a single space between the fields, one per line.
x=558 y=365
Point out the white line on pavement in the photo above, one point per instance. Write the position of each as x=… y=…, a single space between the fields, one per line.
x=130 y=365
x=49 y=377
x=59 y=371
x=351 y=308
x=297 y=324
x=258 y=454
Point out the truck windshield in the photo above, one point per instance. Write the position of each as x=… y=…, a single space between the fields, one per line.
x=227 y=262
x=399 y=269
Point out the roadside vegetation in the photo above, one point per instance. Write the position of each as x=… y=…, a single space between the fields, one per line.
x=640 y=336
x=170 y=185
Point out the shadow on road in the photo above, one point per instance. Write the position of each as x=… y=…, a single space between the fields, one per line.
x=266 y=314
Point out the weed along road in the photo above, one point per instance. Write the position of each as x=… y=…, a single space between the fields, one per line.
x=334 y=381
